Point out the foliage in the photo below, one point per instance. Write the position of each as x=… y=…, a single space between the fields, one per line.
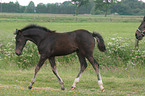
x=100 y=4
x=119 y=50
x=124 y=7
x=10 y=7
x=30 y=8
x=130 y=7
x=41 y=8
x=79 y=3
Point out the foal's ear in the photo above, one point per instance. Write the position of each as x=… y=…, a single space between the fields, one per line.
x=18 y=31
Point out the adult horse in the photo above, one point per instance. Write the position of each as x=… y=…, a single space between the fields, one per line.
x=140 y=32
x=51 y=44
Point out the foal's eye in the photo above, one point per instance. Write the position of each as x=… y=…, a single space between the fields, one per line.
x=18 y=40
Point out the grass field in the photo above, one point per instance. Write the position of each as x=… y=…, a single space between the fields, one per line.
x=122 y=66
x=16 y=83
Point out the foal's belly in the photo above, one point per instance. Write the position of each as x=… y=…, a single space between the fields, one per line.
x=62 y=52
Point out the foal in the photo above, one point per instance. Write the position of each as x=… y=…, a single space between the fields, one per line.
x=51 y=44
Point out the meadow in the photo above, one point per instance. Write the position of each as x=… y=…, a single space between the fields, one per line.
x=122 y=66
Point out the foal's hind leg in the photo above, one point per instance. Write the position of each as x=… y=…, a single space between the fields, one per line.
x=53 y=66
x=95 y=65
x=39 y=65
x=83 y=66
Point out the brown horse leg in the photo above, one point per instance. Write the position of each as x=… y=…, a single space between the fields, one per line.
x=83 y=66
x=95 y=65
x=53 y=66
x=39 y=65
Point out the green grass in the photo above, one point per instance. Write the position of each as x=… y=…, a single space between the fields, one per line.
x=122 y=66
x=16 y=83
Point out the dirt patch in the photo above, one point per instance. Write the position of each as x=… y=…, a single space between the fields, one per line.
x=38 y=88
x=45 y=88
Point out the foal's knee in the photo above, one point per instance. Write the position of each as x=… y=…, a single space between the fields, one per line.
x=84 y=67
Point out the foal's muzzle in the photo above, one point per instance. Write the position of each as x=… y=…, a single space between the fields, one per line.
x=18 y=52
x=139 y=36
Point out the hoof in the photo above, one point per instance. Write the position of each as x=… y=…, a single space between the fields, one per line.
x=103 y=90
x=30 y=87
x=62 y=88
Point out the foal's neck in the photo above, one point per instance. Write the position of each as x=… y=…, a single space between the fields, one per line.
x=36 y=37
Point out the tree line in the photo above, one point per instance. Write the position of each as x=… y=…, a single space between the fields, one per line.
x=123 y=7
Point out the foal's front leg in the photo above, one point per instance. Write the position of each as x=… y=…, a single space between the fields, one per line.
x=53 y=66
x=39 y=65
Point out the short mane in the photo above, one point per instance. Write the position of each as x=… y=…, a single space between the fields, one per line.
x=36 y=26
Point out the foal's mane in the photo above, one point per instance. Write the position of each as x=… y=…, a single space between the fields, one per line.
x=36 y=26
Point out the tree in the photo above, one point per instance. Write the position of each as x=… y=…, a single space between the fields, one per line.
x=67 y=7
x=17 y=5
x=125 y=7
x=79 y=3
x=104 y=3
x=41 y=8
x=30 y=8
x=10 y=7
x=53 y=8
x=129 y=7
x=22 y=9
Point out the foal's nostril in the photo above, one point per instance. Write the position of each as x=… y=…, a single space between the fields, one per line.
x=139 y=37
x=18 y=53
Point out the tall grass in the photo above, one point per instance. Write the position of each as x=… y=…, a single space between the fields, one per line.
x=63 y=18
x=119 y=53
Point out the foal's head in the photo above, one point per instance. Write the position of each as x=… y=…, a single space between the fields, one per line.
x=141 y=30
x=20 y=42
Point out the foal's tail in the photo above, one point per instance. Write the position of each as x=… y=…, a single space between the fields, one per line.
x=100 y=41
